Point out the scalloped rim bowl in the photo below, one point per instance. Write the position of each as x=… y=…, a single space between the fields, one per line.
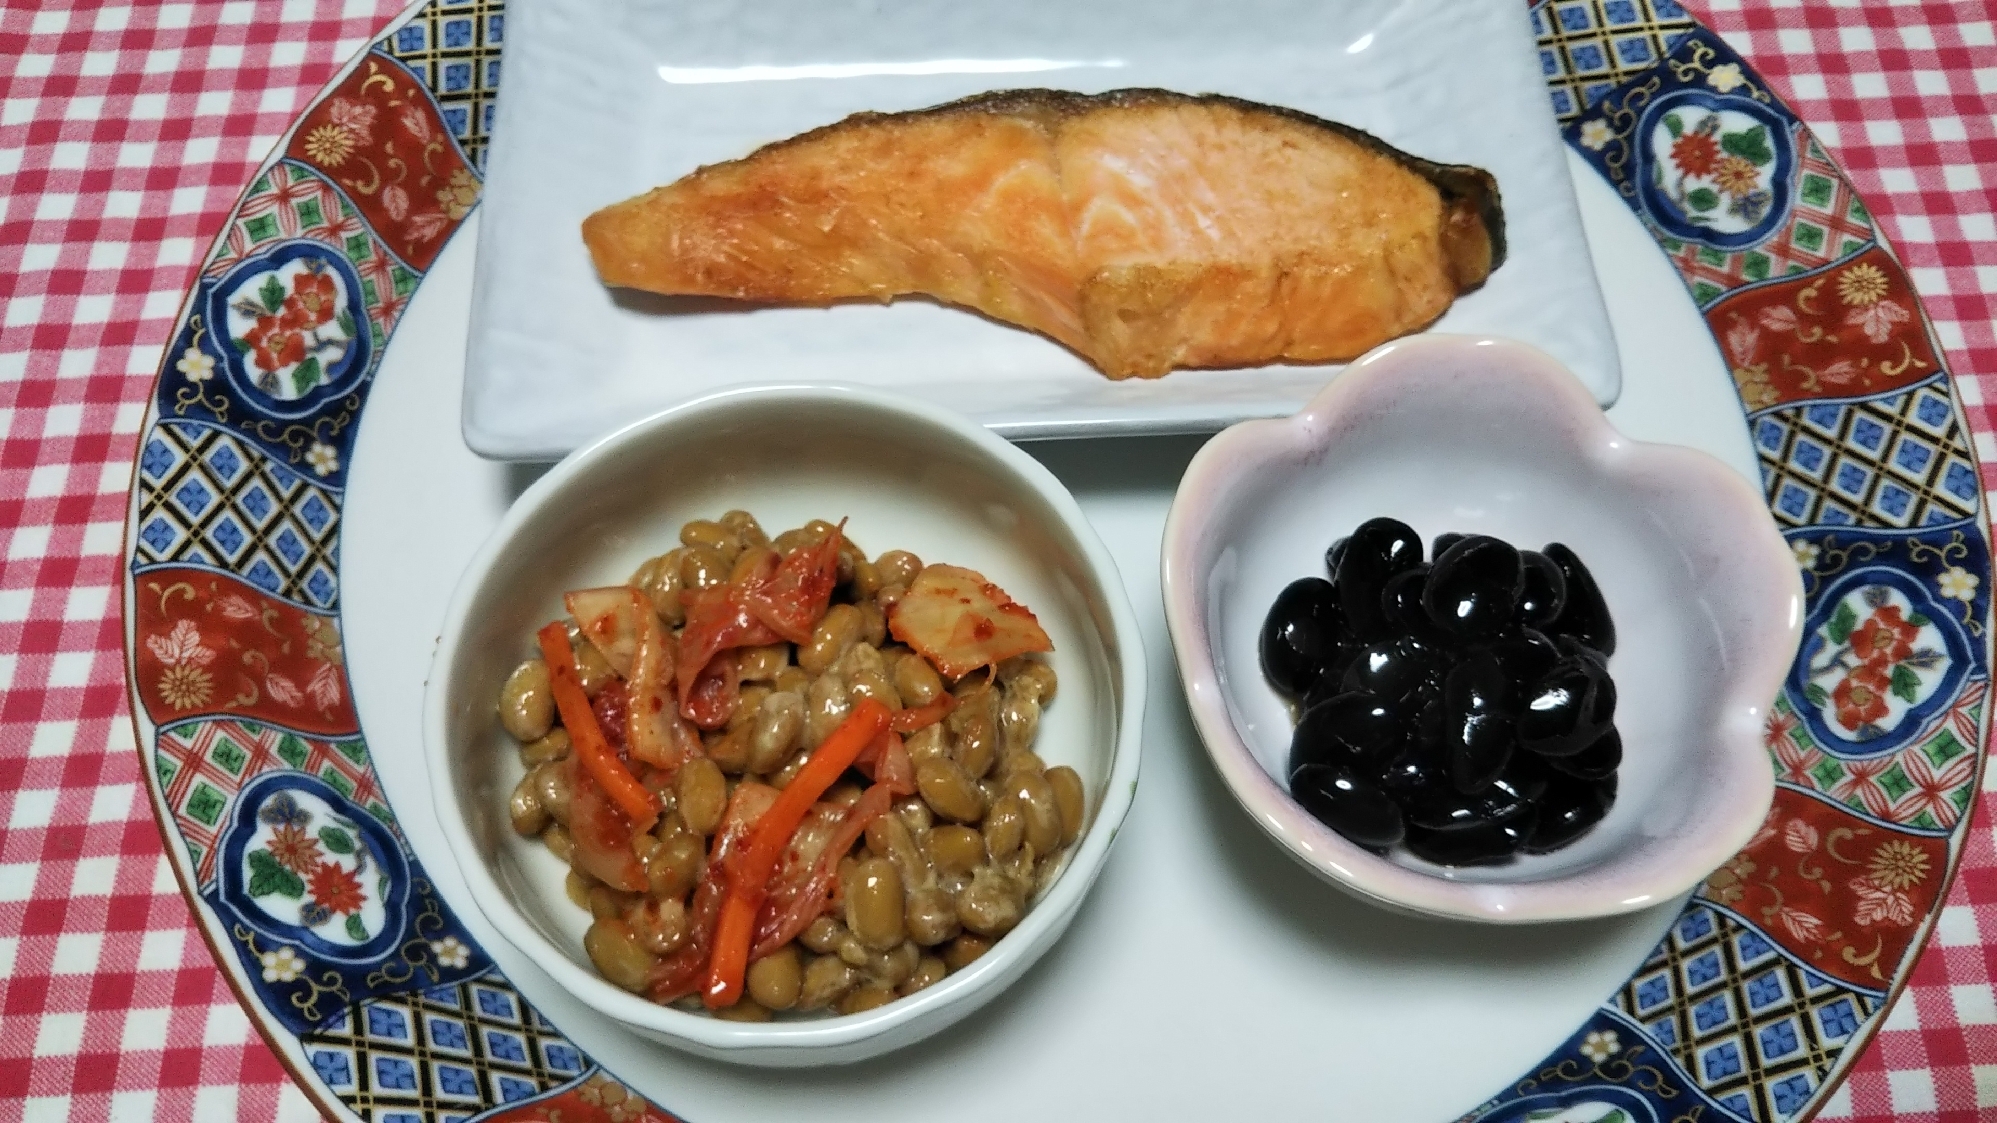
x=1451 y=433
x=910 y=476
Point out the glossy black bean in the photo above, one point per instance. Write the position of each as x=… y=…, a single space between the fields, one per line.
x=1545 y=590
x=1301 y=634
x=1349 y=804
x=1442 y=544
x=1528 y=773
x=1449 y=809
x=1482 y=746
x=1523 y=657
x=1378 y=550
x=1482 y=845
x=1602 y=710
x=1417 y=775
x=1395 y=669
x=1558 y=716
x=1596 y=762
x=1571 y=648
x=1352 y=730
x=1429 y=725
x=1473 y=590
x=1401 y=603
x=1478 y=684
x=1586 y=616
x=1477 y=724
x=1331 y=556
x=1567 y=810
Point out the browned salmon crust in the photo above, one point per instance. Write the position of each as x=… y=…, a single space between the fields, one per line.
x=1147 y=230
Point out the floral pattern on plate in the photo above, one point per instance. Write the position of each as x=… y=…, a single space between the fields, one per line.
x=1844 y=894
x=1846 y=329
x=293 y=323
x=380 y=137
x=213 y=644
x=1746 y=1008
x=1716 y=164
x=1879 y=659
x=309 y=867
x=286 y=322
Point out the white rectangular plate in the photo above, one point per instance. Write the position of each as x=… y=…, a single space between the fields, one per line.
x=603 y=102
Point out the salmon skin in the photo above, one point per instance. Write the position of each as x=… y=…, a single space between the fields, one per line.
x=1147 y=230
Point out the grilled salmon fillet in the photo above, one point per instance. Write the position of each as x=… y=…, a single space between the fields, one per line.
x=1145 y=229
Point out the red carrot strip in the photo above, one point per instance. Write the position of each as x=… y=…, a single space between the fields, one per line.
x=586 y=737
x=749 y=874
x=921 y=717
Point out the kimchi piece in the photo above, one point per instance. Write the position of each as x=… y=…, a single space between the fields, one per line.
x=959 y=621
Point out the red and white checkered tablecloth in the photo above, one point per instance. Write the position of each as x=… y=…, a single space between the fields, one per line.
x=127 y=132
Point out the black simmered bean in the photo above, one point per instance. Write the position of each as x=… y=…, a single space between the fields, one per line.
x=1461 y=707
x=1596 y=762
x=1351 y=805
x=1353 y=729
x=1300 y=636
x=1586 y=615
x=1545 y=592
x=1567 y=810
x=1473 y=590
x=1482 y=844
x=1393 y=669
x=1378 y=550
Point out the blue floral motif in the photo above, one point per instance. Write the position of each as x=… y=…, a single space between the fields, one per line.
x=282 y=810
x=379 y=928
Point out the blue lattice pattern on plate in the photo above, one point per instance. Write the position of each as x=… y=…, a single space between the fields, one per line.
x=209 y=497
x=442 y=1053
x=1587 y=47
x=1901 y=461
x=453 y=48
x=1752 y=1028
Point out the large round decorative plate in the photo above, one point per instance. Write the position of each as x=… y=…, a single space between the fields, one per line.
x=288 y=564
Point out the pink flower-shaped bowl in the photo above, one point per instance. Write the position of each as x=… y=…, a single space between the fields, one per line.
x=1493 y=437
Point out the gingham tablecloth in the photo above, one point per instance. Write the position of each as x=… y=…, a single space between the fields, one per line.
x=126 y=133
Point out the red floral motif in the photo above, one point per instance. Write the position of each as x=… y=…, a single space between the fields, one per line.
x=1846 y=330
x=335 y=888
x=1861 y=697
x=1885 y=638
x=1849 y=905
x=1880 y=905
x=257 y=650
x=313 y=300
x=1877 y=321
x=293 y=848
x=1695 y=153
x=274 y=347
x=380 y=138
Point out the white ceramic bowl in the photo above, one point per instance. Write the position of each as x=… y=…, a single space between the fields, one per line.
x=1486 y=436
x=909 y=476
